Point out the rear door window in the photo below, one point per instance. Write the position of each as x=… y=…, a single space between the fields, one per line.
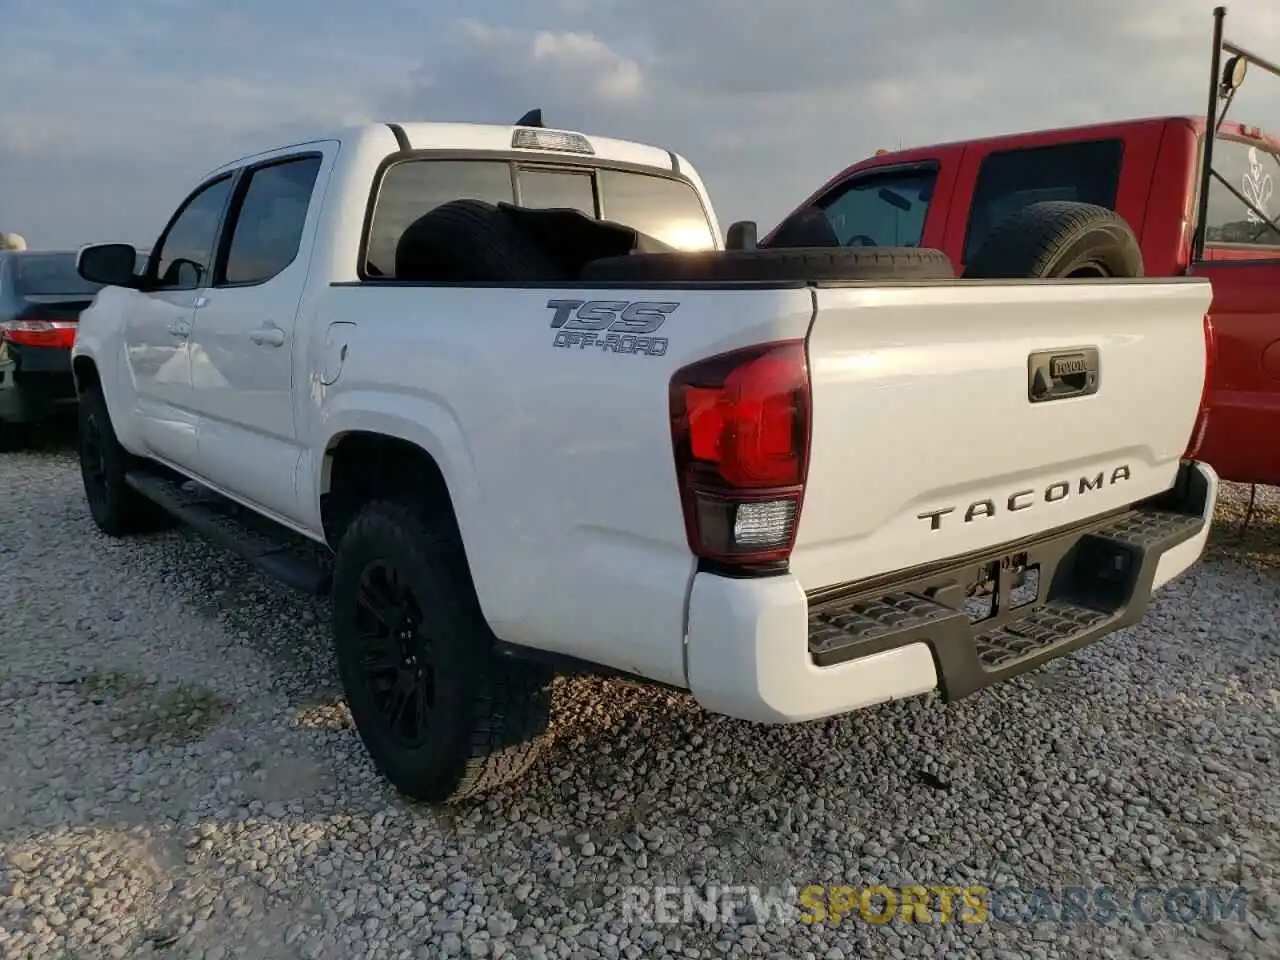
x=267 y=227
x=881 y=209
x=1252 y=174
x=1086 y=172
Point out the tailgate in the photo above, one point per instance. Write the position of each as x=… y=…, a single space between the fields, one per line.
x=926 y=443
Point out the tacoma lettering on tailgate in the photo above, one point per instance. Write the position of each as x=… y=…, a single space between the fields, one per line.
x=1025 y=499
x=611 y=326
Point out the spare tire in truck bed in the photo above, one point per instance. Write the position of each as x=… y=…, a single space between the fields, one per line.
x=470 y=241
x=789 y=263
x=1057 y=238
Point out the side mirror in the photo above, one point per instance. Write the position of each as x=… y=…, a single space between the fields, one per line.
x=741 y=235
x=110 y=264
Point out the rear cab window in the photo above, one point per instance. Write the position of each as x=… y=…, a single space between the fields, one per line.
x=1244 y=209
x=412 y=188
x=564 y=189
x=1084 y=172
x=666 y=208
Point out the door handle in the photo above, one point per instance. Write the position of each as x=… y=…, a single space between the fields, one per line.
x=179 y=328
x=268 y=335
x=1059 y=374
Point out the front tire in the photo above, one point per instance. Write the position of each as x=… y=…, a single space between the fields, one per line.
x=443 y=718
x=116 y=508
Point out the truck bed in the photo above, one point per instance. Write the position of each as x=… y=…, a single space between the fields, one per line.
x=558 y=447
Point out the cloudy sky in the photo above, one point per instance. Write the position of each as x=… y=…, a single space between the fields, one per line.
x=109 y=112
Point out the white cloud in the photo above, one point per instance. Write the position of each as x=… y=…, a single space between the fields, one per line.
x=771 y=98
x=107 y=124
x=611 y=76
x=508 y=66
x=82 y=109
x=767 y=98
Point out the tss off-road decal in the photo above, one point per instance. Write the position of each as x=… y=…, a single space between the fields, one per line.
x=611 y=326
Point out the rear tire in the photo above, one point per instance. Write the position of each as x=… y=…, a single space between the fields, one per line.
x=116 y=508
x=442 y=716
x=1057 y=238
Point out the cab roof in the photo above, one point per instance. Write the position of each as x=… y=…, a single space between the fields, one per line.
x=482 y=137
x=1010 y=140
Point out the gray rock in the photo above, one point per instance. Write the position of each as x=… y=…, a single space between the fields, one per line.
x=198 y=767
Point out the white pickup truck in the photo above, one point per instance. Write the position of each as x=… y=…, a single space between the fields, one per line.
x=456 y=376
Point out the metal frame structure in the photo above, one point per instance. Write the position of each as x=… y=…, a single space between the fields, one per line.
x=1221 y=95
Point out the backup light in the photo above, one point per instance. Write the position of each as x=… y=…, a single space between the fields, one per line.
x=561 y=141
x=764 y=523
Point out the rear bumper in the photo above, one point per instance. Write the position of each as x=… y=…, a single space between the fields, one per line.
x=33 y=381
x=762 y=650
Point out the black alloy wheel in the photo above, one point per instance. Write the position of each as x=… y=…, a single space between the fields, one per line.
x=397 y=653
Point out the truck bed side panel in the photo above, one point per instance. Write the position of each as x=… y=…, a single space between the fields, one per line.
x=556 y=446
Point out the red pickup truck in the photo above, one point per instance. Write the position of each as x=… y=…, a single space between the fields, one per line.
x=1203 y=206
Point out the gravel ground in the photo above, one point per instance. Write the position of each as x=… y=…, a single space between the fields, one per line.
x=178 y=778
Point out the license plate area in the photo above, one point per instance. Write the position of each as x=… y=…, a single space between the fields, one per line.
x=992 y=615
x=1008 y=583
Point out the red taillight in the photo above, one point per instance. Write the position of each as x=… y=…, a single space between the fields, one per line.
x=1202 y=418
x=740 y=426
x=39 y=332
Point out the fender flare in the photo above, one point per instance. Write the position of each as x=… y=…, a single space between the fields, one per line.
x=431 y=427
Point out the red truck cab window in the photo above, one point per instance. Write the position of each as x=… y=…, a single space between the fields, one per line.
x=882 y=209
x=1008 y=180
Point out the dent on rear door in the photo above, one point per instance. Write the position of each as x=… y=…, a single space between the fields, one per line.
x=157 y=330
